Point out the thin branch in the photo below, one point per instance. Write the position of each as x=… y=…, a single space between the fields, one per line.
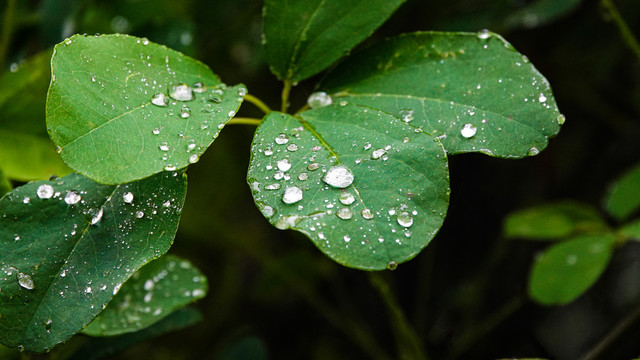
x=286 y=90
x=258 y=103
x=244 y=121
x=619 y=329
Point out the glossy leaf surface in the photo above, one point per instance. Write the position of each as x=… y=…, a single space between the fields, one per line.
x=153 y=292
x=69 y=245
x=368 y=190
x=302 y=38
x=122 y=108
x=474 y=91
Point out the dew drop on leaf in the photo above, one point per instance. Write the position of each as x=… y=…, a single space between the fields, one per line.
x=26 y=281
x=194 y=158
x=268 y=211
x=96 y=218
x=338 y=176
x=292 y=147
x=561 y=119
x=160 y=99
x=367 y=214
x=127 y=197
x=185 y=112
x=284 y=165
x=181 y=92
x=392 y=265
x=405 y=219
x=319 y=99
x=483 y=34
x=344 y=214
x=45 y=191
x=303 y=176
x=542 y=98
x=281 y=139
x=291 y=195
x=198 y=88
x=533 y=151
x=163 y=146
x=377 y=154
x=313 y=166
x=72 y=197
x=468 y=131
x=347 y=198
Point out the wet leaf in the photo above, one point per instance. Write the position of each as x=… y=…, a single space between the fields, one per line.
x=153 y=292
x=474 y=91
x=122 y=108
x=553 y=221
x=368 y=190
x=303 y=38
x=623 y=198
x=26 y=152
x=69 y=244
x=631 y=230
x=566 y=270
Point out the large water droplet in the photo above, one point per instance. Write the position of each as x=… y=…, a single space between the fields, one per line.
x=313 y=166
x=96 y=218
x=127 y=197
x=468 y=131
x=45 y=191
x=284 y=165
x=72 y=197
x=405 y=219
x=281 y=139
x=194 y=158
x=344 y=214
x=338 y=176
x=268 y=211
x=346 y=198
x=407 y=115
x=181 y=92
x=319 y=99
x=26 y=281
x=286 y=221
x=483 y=34
x=561 y=119
x=367 y=214
x=291 y=195
x=542 y=98
x=160 y=99
x=292 y=147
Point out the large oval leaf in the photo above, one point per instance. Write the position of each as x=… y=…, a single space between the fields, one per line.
x=474 y=91
x=623 y=200
x=302 y=38
x=566 y=270
x=26 y=152
x=69 y=244
x=364 y=187
x=153 y=292
x=121 y=108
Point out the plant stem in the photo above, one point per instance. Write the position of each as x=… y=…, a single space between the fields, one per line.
x=625 y=32
x=619 y=329
x=407 y=340
x=7 y=29
x=286 y=90
x=244 y=121
x=258 y=103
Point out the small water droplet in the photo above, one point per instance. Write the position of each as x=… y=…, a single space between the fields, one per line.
x=392 y=265
x=338 y=176
x=344 y=214
x=367 y=214
x=377 y=154
x=319 y=99
x=45 y=191
x=181 y=92
x=160 y=99
x=292 y=147
x=96 y=218
x=169 y=167
x=268 y=152
x=561 y=119
x=406 y=115
x=26 y=281
x=194 y=158
x=156 y=131
x=291 y=195
x=281 y=139
x=127 y=197
x=468 y=131
x=533 y=151
x=542 y=98
x=303 y=176
x=72 y=197
x=163 y=146
x=268 y=211
x=139 y=214
x=149 y=285
x=313 y=166
x=198 y=88
x=316 y=148
x=483 y=34
x=346 y=198
x=185 y=112
x=405 y=219
x=274 y=186
x=88 y=290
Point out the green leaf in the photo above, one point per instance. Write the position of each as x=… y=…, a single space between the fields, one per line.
x=5 y=184
x=473 y=91
x=540 y=12
x=100 y=111
x=103 y=347
x=553 y=221
x=566 y=270
x=26 y=152
x=623 y=198
x=302 y=38
x=153 y=292
x=631 y=230
x=68 y=245
x=364 y=187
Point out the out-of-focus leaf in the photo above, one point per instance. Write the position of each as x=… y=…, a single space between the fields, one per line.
x=540 y=12
x=245 y=348
x=631 y=230
x=5 y=184
x=623 y=198
x=69 y=244
x=152 y=293
x=302 y=38
x=473 y=91
x=367 y=189
x=26 y=152
x=553 y=221
x=122 y=108
x=568 y=269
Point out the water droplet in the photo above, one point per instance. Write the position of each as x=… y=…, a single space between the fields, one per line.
x=274 y=186
x=542 y=98
x=284 y=164
x=292 y=147
x=156 y=131
x=149 y=285
x=198 y=88
x=181 y=92
x=139 y=214
x=163 y=146
x=338 y=176
x=319 y=99
x=45 y=191
x=291 y=195
x=347 y=238
x=88 y=290
x=533 y=151
x=268 y=211
x=346 y=198
x=47 y=325
x=561 y=119
x=185 y=112
x=313 y=166
x=194 y=158
x=72 y=197
x=26 y=200
x=286 y=221
x=160 y=99
x=377 y=154
x=169 y=167
x=407 y=115
x=405 y=219
x=303 y=176
x=367 y=214
x=344 y=214
x=392 y=265
x=97 y=217
x=281 y=139
x=26 y=281
x=316 y=148
x=483 y=34
x=127 y=197
x=468 y=131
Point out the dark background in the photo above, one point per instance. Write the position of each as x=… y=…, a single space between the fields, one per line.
x=273 y=295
